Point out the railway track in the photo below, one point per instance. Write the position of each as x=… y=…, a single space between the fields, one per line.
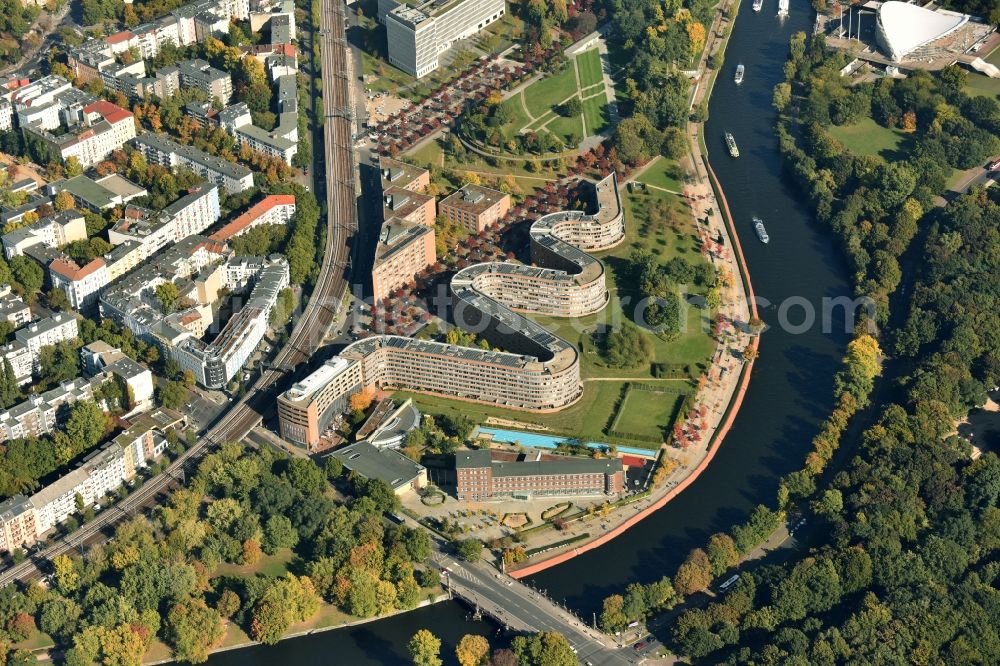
x=311 y=328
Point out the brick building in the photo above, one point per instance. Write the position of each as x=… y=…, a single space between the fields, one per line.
x=479 y=477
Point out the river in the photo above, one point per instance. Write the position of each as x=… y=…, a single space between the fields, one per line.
x=790 y=391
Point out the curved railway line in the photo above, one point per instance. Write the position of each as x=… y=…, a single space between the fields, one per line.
x=311 y=328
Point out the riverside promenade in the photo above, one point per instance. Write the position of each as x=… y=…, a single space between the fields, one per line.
x=729 y=376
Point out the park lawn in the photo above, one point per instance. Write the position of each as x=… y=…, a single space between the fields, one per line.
x=661 y=173
x=648 y=413
x=390 y=79
x=269 y=565
x=429 y=154
x=595 y=110
x=563 y=127
x=37 y=640
x=589 y=64
x=980 y=85
x=542 y=120
x=866 y=137
x=518 y=116
x=546 y=93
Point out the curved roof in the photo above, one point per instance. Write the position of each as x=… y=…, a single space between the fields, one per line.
x=906 y=27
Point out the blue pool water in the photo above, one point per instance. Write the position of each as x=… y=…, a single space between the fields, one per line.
x=537 y=441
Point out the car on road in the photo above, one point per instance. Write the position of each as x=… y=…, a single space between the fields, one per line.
x=641 y=644
x=994 y=165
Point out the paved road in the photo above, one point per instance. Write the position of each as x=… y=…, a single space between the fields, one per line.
x=523 y=609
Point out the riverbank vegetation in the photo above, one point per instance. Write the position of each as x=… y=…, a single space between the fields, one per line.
x=254 y=541
x=874 y=199
x=900 y=558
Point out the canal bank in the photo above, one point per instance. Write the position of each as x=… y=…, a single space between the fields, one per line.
x=788 y=396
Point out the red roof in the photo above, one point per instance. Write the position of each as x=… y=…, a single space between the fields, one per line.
x=119 y=37
x=260 y=208
x=111 y=112
x=633 y=461
x=70 y=270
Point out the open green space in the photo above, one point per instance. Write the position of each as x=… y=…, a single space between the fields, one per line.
x=662 y=172
x=546 y=93
x=589 y=65
x=595 y=111
x=269 y=565
x=648 y=413
x=567 y=128
x=866 y=137
x=980 y=85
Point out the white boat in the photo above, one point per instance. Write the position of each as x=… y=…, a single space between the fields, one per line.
x=739 y=73
x=758 y=225
x=782 y=7
x=757 y=4
x=731 y=144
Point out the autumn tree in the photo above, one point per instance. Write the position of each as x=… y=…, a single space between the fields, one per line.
x=361 y=400
x=472 y=650
x=695 y=574
x=425 y=649
x=193 y=630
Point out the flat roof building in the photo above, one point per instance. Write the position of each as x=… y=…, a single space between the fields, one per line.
x=475 y=207
x=372 y=462
x=479 y=477
x=159 y=149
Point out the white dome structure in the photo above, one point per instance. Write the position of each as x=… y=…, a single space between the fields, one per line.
x=903 y=28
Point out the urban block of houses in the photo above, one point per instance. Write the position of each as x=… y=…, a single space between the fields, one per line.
x=12 y=308
x=23 y=353
x=49 y=232
x=272 y=209
x=159 y=149
x=71 y=122
x=26 y=520
x=200 y=268
x=406 y=240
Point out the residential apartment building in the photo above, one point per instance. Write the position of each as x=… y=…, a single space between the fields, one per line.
x=159 y=149
x=395 y=173
x=194 y=212
x=475 y=207
x=418 y=33
x=403 y=250
x=44 y=332
x=93 y=131
x=272 y=209
x=307 y=408
x=20 y=359
x=81 y=284
x=42 y=412
x=99 y=357
x=12 y=308
x=202 y=76
x=480 y=477
x=51 y=232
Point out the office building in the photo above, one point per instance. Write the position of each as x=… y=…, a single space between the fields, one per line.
x=479 y=477
x=388 y=465
x=306 y=410
x=418 y=33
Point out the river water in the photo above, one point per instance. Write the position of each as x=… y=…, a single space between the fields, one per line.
x=790 y=391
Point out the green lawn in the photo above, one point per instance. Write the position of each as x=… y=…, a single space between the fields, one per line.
x=662 y=173
x=564 y=127
x=982 y=86
x=586 y=419
x=542 y=95
x=595 y=111
x=518 y=116
x=589 y=64
x=648 y=413
x=867 y=137
x=269 y=565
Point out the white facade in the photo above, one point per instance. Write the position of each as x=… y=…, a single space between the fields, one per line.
x=45 y=332
x=417 y=35
x=81 y=285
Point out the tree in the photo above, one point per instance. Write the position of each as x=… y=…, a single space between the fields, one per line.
x=10 y=393
x=59 y=362
x=86 y=424
x=172 y=394
x=57 y=299
x=279 y=533
x=695 y=574
x=613 y=614
x=722 y=552
x=572 y=107
x=425 y=649
x=73 y=166
x=168 y=295
x=28 y=275
x=291 y=599
x=361 y=400
x=193 y=630
x=228 y=603
x=546 y=648
x=64 y=201
x=470 y=550
x=472 y=650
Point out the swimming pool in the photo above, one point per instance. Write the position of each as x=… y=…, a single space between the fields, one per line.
x=539 y=441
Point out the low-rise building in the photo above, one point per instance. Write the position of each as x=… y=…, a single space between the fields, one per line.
x=388 y=465
x=159 y=149
x=100 y=357
x=101 y=194
x=272 y=209
x=479 y=476
x=475 y=207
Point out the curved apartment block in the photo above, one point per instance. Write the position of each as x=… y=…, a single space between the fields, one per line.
x=538 y=371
